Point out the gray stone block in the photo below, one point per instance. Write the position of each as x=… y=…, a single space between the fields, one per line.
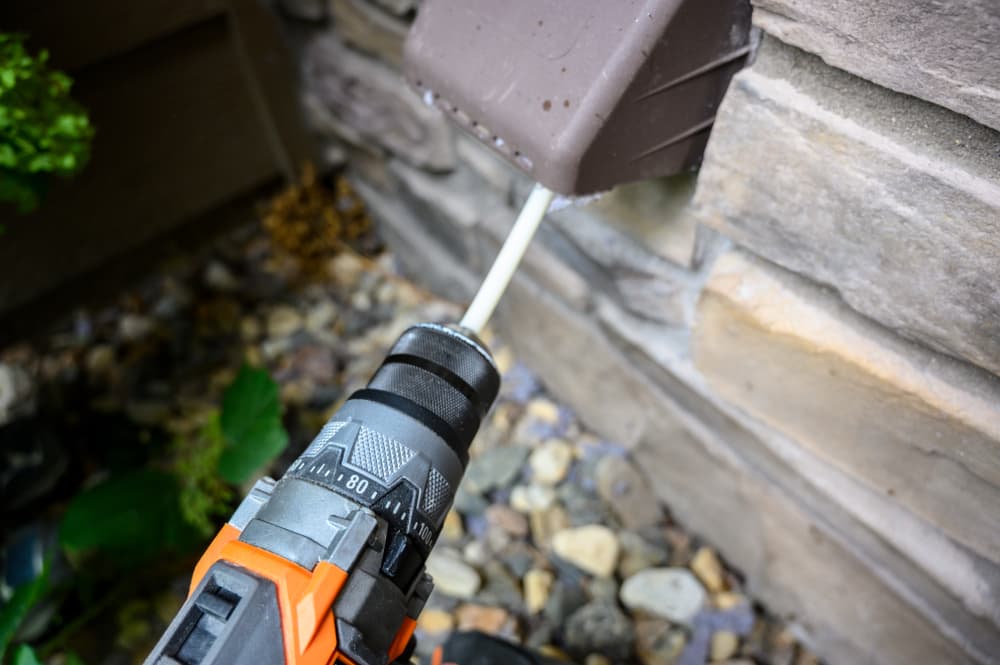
x=366 y=103
x=398 y=7
x=370 y=29
x=623 y=269
x=893 y=202
x=469 y=219
x=657 y=213
x=945 y=52
x=920 y=428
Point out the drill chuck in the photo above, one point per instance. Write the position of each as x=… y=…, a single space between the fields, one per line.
x=333 y=553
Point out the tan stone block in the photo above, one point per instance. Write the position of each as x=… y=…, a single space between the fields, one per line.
x=917 y=426
x=945 y=53
x=892 y=201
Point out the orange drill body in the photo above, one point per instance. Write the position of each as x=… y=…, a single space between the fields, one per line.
x=326 y=565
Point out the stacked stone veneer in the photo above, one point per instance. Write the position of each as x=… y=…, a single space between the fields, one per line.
x=801 y=343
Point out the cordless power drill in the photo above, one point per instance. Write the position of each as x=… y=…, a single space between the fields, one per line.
x=326 y=565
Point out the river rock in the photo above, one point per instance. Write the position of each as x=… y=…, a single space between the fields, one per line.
x=724 y=645
x=596 y=659
x=521 y=557
x=671 y=593
x=219 y=277
x=100 y=359
x=542 y=410
x=638 y=554
x=452 y=576
x=602 y=588
x=592 y=548
x=584 y=507
x=600 y=627
x=320 y=316
x=249 y=328
x=551 y=461
x=346 y=269
x=283 y=321
x=508 y=519
x=546 y=523
x=16 y=390
x=435 y=622
x=469 y=503
x=537 y=587
x=477 y=553
x=492 y=620
x=564 y=600
x=727 y=600
x=497 y=467
x=707 y=567
x=501 y=587
x=658 y=642
x=624 y=489
x=133 y=327
x=452 y=531
x=527 y=498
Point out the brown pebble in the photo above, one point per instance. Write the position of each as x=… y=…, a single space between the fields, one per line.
x=508 y=519
x=491 y=620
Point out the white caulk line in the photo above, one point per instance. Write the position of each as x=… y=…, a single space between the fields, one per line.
x=507 y=260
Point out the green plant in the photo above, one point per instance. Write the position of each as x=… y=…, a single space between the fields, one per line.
x=43 y=131
x=134 y=515
x=116 y=531
x=231 y=446
x=13 y=612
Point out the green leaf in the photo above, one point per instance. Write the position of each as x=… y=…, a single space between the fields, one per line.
x=72 y=659
x=12 y=614
x=25 y=655
x=130 y=517
x=251 y=425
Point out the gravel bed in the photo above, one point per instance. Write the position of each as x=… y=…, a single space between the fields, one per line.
x=555 y=540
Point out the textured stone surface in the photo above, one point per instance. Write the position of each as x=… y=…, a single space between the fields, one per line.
x=945 y=52
x=398 y=7
x=793 y=357
x=891 y=201
x=446 y=204
x=365 y=103
x=645 y=284
x=370 y=29
x=656 y=212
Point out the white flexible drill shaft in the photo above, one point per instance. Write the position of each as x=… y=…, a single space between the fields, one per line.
x=507 y=260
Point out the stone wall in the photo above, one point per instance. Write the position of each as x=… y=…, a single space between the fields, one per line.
x=802 y=343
